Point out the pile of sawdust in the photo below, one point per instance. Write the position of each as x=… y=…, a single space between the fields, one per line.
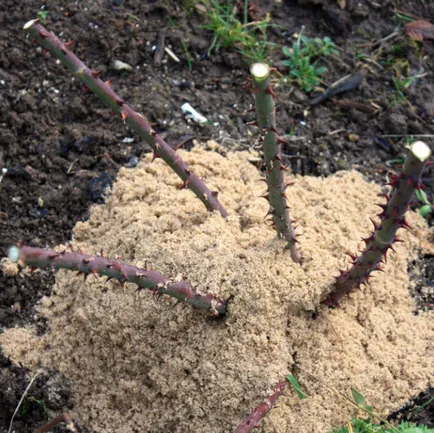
x=141 y=365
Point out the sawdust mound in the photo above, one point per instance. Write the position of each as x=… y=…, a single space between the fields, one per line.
x=141 y=365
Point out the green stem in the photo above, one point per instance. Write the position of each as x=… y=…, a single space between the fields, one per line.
x=266 y=120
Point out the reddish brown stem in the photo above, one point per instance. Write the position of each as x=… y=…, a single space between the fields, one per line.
x=65 y=418
x=134 y=120
x=392 y=218
x=259 y=412
x=115 y=269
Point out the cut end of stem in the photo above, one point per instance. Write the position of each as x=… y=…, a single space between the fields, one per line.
x=420 y=150
x=30 y=24
x=260 y=71
x=14 y=254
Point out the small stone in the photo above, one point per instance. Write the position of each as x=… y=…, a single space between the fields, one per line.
x=353 y=137
x=10 y=269
x=121 y=66
x=298 y=96
x=397 y=124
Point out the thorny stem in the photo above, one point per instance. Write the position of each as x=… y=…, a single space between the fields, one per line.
x=276 y=186
x=392 y=218
x=115 y=269
x=134 y=120
x=259 y=412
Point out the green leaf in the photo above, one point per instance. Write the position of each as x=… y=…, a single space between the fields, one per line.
x=293 y=381
x=286 y=51
x=321 y=70
x=421 y=196
x=412 y=430
x=369 y=409
x=358 y=398
x=425 y=210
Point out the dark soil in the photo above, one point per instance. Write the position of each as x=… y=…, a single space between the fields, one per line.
x=62 y=147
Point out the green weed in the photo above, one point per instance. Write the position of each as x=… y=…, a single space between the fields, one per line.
x=31 y=403
x=401 y=85
x=357 y=425
x=42 y=15
x=187 y=55
x=247 y=37
x=303 y=58
x=366 y=426
x=427 y=206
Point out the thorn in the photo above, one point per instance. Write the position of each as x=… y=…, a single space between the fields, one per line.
x=155 y=156
x=108 y=82
x=266 y=196
x=270 y=212
x=277 y=157
x=43 y=35
x=84 y=89
x=119 y=102
x=377 y=268
x=44 y=52
x=69 y=44
x=273 y=129
x=95 y=74
x=351 y=255
x=283 y=168
x=124 y=116
x=374 y=223
x=153 y=132
x=367 y=240
x=393 y=181
x=215 y=193
x=405 y=225
x=63 y=51
x=270 y=91
x=383 y=206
